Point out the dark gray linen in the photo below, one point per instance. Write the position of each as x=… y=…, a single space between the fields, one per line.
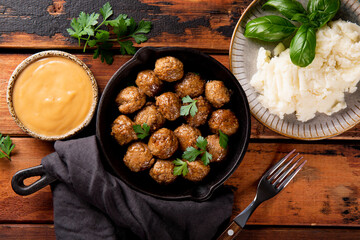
x=91 y=203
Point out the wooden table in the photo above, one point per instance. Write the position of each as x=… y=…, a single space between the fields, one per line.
x=322 y=202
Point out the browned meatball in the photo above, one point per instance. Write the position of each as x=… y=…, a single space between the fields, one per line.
x=148 y=83
x=122 y=130
x=151 y=116
x=130 y=99
x=197 y=170
x=169 y=105
x=138 y=157
x=204 y=109
x=163 y=143
x=191 y=85
x=213 y=147
x=187 y=136
x=216 y=93
x=163 y=171
x=224 y=120
x=169 y=69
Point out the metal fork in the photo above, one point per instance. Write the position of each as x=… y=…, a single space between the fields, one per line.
x=271 y=183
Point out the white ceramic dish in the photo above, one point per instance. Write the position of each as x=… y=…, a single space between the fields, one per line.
x=243 y=53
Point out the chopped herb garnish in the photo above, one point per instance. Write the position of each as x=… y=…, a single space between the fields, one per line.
x=192 y=153
x=190 y=108
x=223 y=139
x=86 y=28
x=141 y=131
x=6 y=146
x=180 y=167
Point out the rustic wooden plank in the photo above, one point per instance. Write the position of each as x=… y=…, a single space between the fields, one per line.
x=271 y=233
x=102 y=73
x=201 y=24
x=46 y=231
x=36 y=207
x=27 y=231
x=325 y=193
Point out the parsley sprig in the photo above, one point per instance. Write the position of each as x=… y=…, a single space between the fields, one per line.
x=223 y=139
x=192 y=153
x=190 y=108
x=6 y=146
x=86 y=28
x=180 y=167
x=141 y=131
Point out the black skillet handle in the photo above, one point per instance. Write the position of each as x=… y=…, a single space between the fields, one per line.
x=19 y=187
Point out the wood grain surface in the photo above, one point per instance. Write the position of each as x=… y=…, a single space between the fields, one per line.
x=322 y=202
x=200 y=24
x=324 y=193
x=103 y=73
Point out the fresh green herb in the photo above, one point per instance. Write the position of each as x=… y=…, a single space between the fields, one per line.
x=302 y=46
x=223 y=139
x=86 y=28
x=287 y=8
x=141 y=131
x=190 y=108
x=180 y=167
x=6 y=146
x=269 y=28
x=274 y=28
x=322 y=11
x=192 y=153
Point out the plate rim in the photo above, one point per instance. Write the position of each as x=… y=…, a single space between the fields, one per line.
x=248 y=8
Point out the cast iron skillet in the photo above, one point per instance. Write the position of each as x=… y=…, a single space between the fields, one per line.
x=194 y=61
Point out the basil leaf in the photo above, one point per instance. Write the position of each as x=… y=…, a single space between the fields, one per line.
x=300 y=17
x=288 y=8
x=323 y=10
x=302 y=46
x=269 y=28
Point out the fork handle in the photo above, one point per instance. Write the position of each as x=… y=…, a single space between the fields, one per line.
x=231 y=232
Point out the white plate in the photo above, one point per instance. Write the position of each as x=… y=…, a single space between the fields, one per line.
x=243 y=54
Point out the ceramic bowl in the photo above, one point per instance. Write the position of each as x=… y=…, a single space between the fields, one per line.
x=26 y=63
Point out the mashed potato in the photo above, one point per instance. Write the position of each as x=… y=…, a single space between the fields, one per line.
x=320 y=87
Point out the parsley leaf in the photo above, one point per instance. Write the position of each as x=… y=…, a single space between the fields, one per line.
x=201 y=142
x=192 y=153
x=206 y=157
x=87 y=28
x=141 y=131
x=6 y=146
x=180 y=167
x=223 y=139
x=106 y=11
x=190 y=108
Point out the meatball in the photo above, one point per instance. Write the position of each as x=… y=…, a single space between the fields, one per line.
x=130 y=99
x=216 y=93
x=163 y=172
x=213 y=147
x=122 y=130
x=163 y=143
x=138 y=157
x=169 y=69
x=191 y=85
x=151 y=116
x=224 y=120
x=169 y=105
x=187 y=136
x=204 y=109
x=197 y=170
x=148 y=83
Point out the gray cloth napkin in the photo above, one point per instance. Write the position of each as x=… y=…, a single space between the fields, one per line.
x=91 y=203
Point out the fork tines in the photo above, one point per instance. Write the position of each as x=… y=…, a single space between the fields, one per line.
x=280 y=174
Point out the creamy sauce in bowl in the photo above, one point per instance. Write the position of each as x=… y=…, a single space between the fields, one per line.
x=53 y=96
